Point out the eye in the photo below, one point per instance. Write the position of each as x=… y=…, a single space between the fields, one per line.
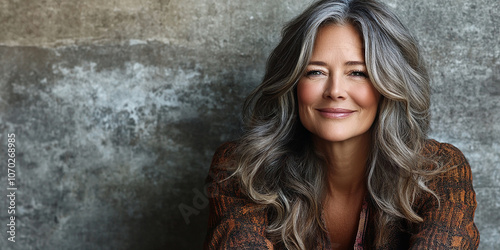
x=314 y=73
x=359 y=74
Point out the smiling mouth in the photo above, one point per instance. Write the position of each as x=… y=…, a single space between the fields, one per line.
x=335 y=113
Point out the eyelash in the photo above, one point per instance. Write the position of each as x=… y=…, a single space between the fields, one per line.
x=314 y=73
x=359 y=73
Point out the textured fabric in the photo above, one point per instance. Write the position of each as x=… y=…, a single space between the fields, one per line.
x=236 y=222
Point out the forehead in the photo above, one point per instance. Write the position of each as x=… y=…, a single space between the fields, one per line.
x=338 y=36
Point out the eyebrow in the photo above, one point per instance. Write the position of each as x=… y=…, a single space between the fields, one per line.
x=349 y=63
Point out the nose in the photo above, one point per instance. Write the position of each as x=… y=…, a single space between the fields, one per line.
x=335 y=88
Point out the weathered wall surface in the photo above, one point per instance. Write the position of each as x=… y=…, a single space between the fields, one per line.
x=118 y=106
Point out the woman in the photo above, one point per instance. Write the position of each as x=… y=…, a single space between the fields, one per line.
x=335 y=154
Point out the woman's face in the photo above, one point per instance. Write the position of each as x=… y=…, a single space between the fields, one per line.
x=337 y=101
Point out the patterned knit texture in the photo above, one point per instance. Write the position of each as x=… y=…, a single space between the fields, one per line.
x=236 y=222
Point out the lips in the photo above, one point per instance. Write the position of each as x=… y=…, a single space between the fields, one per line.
x=335 y=113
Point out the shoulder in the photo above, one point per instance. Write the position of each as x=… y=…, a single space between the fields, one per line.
x=447 y=157
x=223 y=165
x=452 y=162
x=224 y=154
x=443 y=151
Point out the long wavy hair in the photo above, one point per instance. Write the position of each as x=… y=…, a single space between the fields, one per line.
x=276 y=162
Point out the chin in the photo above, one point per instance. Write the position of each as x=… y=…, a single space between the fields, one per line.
x=341 y=137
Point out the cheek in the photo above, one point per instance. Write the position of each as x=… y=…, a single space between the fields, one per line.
x=306 y=93
x=305 y=98
x=366 y=97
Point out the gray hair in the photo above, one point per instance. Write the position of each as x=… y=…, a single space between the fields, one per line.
x=277 y=164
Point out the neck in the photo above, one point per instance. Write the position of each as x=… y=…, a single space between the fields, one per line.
x=346 y=160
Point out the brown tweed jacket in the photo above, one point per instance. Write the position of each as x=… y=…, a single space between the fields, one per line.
x=236 y=222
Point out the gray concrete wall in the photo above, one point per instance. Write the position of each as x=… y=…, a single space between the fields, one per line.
x=117 y=107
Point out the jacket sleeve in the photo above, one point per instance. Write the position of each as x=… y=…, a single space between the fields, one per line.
x=449 y=223
x=235 y=222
